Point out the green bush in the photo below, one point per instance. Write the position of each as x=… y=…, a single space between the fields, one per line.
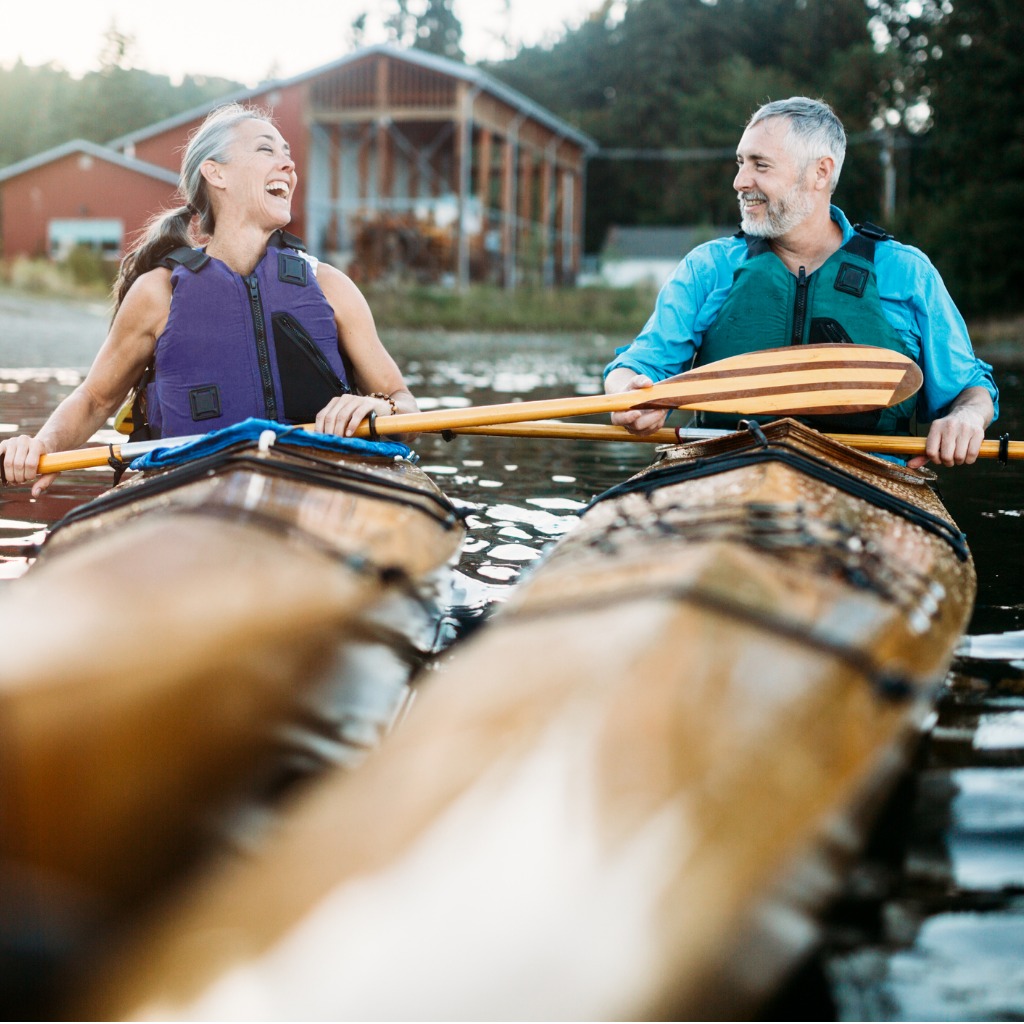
x=82 y=275
x=87 y=267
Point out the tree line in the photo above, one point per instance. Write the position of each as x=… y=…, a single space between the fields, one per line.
x=931 y=86
x=41 y=107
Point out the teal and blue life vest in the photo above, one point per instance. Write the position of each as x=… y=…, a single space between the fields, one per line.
x=770 y=307
x=263 y=345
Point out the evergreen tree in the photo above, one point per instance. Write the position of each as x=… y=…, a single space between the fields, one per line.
x=962 y=71
x=429 y=25
x=440 y=31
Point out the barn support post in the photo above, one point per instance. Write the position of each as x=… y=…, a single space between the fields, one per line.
x=581 y=217
x=465 y=144
x=549 y=211
x=483 y=179
x=509 y=195
x=526 y=185
x=567 y=207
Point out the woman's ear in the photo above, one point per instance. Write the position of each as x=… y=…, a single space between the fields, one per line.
x=213 y=172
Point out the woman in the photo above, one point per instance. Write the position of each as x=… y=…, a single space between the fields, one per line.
x=247 y=326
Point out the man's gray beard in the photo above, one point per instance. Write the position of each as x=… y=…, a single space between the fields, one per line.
x=780 y=215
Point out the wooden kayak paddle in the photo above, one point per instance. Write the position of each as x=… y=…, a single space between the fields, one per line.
x=799 y=380
x=1002 y=448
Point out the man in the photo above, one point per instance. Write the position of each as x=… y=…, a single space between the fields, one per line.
x=800 y=273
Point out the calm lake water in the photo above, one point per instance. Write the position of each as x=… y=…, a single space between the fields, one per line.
x=932 y=921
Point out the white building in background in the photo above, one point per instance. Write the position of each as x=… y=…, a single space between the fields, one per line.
x=639 y=256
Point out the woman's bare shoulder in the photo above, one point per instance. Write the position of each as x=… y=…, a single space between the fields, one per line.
x=147 y=302
x=154 y=284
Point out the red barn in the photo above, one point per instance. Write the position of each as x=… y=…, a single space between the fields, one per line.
x=409 y=164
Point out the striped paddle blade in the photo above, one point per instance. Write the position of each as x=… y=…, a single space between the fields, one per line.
x=798 y=380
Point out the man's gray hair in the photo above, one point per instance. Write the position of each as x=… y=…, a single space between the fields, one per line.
x=814 y=126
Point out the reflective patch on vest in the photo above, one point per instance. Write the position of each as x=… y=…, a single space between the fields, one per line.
x=205 y=402
x=851 y=279
x=291 y=269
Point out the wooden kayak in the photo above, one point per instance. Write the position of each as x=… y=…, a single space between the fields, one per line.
x=188 y=640
x=627 y=795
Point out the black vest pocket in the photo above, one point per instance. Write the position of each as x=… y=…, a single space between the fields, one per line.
x=308 y=381
x=826 y=331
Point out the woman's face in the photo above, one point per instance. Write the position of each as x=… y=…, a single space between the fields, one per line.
x=259 y=178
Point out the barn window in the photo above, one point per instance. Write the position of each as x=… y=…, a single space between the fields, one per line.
x=102 y=235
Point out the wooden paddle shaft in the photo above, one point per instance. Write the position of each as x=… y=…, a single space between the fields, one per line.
x=886 y=445
x=86 y=458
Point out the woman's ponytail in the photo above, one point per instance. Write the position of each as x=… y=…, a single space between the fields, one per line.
x=163 y=234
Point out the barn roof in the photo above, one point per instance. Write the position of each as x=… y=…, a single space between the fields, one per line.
x=88 y=148
x=454 y=69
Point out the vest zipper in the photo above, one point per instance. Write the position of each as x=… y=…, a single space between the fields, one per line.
x=800 y=307
x=262 y=351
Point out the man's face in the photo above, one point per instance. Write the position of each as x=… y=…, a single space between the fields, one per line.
x=772 y=183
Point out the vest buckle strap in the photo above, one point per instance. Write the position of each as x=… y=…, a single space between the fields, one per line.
x=872 y=231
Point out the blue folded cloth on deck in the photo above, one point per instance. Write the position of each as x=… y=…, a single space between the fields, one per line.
x=250 y=430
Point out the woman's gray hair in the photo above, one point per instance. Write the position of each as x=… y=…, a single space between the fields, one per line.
x=814 y=126
x=172 y=229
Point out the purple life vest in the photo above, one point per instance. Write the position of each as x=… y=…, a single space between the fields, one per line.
x=265 y=345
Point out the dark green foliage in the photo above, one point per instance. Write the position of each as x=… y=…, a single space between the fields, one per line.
x=684 y=74
x=968 y=171
x=428 y=25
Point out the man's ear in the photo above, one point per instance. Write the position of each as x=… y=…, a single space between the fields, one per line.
x=823 y=172
x=213 y=172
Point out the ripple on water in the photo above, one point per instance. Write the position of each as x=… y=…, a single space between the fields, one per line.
x=1007 y=646
x=961 y=966
x=542 y=520
x=981 y=815
x=504 y=573
x=999 y=731
x=514 y=553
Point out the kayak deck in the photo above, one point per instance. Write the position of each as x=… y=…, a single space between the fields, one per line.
x=628 y=794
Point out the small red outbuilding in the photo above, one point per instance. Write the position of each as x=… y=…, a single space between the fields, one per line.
x=78 y=193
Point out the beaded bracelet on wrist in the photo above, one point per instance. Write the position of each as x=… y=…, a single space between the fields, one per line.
x=385 y=398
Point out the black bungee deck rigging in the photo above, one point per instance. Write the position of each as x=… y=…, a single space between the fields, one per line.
x=800 y=460
x=292 y=464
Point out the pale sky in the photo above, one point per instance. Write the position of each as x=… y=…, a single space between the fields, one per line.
x=250 y=40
